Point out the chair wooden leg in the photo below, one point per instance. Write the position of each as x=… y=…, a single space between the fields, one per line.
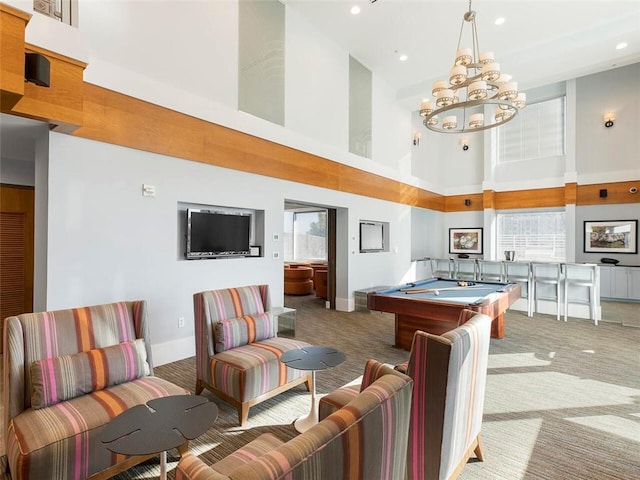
x=309 y=383
x=478 y=450
x=199 y=386
x=243 y=414
x=184 y=448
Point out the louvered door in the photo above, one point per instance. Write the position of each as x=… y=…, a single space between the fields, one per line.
x=16 y=251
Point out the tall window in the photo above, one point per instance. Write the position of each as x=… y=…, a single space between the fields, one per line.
x=305 y=236
x=538 y=131
x=534 y=236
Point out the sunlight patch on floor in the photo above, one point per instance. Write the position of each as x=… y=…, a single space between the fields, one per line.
x=524 y=392
x=513 y=360
x=612 y=424
x=500 y=456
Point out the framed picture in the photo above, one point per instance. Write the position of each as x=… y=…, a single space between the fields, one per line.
x=611 y=236
x=465 y=240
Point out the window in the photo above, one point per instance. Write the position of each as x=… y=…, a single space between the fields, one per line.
x=534 y=236
x=538 y=131
x=64 y=10
x=305 y=236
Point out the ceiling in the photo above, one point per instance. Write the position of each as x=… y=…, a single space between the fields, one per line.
x=541 y=42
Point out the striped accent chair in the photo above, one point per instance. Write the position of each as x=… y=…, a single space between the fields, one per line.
x=449 y=373
x=66 y=374
x=237 y=348
x=366 y=439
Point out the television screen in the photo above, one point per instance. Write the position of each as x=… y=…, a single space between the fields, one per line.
x=216 y=234
x=371 y=237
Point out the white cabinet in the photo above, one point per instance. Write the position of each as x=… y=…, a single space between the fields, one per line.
x=620 y=282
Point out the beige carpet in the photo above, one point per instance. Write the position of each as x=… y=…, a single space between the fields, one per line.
x=562 y=401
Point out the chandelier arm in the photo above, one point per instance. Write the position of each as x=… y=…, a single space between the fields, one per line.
x=468 y=105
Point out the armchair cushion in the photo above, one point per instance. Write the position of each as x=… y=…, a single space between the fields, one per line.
x=68 y=376
x=237 y=332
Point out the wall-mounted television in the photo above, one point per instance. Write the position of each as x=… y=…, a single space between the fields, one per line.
x=212 y=234
x=371 y=236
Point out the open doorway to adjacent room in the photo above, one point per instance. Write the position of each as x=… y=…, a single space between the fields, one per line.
x=309 y=253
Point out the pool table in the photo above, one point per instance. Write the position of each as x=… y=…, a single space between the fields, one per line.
x=434 y=305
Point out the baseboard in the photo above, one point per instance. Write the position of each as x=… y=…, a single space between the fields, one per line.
x=345 y=304
x=173 y=351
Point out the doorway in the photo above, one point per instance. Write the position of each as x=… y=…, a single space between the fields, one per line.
x=310 y=240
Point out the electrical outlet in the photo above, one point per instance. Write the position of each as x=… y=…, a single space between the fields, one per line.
x=180 y=322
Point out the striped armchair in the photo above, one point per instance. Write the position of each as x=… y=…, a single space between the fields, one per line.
x=237 y=348
x=449 y=373
x=66 y=374
x=367 y=439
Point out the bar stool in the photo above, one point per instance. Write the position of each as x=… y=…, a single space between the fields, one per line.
x=465 y=269
x=442 y=267
x=520 y=272
x=492 y=271
x=547 y=274
x=581 y=275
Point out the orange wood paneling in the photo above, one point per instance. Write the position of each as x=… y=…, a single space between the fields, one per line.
x=455 y=203
x=570 y=193
x=115 y=118
x=488 y=198
x=617 y=192
x=61 y=103
x=14 y=23
x=535 y=198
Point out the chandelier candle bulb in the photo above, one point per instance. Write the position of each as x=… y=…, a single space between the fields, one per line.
x=438 y=86
x=502 y=115
x=432 y=121
x=508 y=91
x=478 y=90
x=486 y=57
x=464 y=56
x=503 y=78
x=426 y=107
x=445 y=97
x=458 y=75
x=450 y=122
x=491 y=71
x=476 y=120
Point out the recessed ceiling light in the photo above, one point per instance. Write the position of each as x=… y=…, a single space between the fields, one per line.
x=355 y=10
x=499 y=21
x=621 y=45
x=403 y=58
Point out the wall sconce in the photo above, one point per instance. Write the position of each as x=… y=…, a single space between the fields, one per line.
x=603 y=193
x=467 y=202
x=608 y=119
x=416 y=138
x=465 y=144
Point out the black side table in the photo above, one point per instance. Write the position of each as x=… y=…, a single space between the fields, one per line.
x=311 y=358
x=160 y=425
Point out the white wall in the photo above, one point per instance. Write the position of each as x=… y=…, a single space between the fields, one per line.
x=106 y=242
x=17 y=172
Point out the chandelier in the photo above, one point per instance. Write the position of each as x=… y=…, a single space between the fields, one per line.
x=475 y=82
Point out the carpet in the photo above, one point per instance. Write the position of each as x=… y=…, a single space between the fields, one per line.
x=562 y=399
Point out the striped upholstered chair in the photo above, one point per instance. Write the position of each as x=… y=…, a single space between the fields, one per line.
x=237 y=348
x=367 y=439
x=66 y=374
x=449 y=373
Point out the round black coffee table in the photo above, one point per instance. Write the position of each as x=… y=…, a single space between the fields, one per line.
x=314 y=359
x=160 y=425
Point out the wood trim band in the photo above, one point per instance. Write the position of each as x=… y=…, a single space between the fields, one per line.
x=12 y=35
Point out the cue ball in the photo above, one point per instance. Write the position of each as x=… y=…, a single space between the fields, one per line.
x=436 y=292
